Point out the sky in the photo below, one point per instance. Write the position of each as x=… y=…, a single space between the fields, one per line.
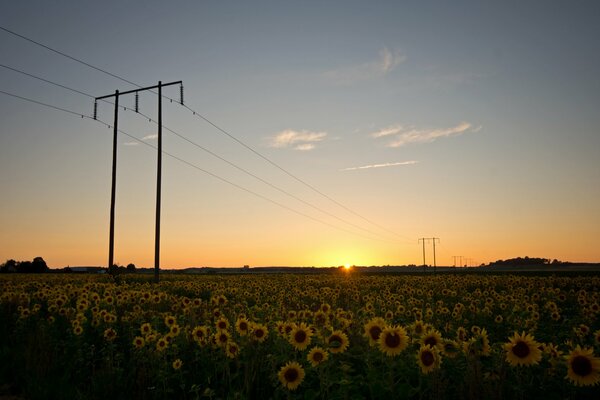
x=351 y=129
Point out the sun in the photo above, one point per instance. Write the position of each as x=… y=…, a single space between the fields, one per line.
x=347 y=267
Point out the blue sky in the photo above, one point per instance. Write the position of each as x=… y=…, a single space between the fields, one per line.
x=481 y=118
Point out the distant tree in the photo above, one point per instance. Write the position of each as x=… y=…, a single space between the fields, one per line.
x=131 y=267
x=9 y=266
x=38 y=265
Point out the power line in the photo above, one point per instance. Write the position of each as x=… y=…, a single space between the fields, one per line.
x=194 y=166
x=203 y=149
x=219 y=129
x=66 y=55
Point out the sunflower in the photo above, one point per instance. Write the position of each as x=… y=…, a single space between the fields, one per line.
x=259 y=332
x=522 y=350
x=450 y=348
x=110 y=334
x=597 y=336
x=162 y=344
x=221 y=338
x=373 y=329
x=433 y=339
x=291 y=375
x=317 y=356
x=300 y=336
x=584 y=368
x=461 y=334
x=222 y=324
x=232 y=350
x=174 y=330
x=78 y=330
x=418 y=328
x=177 y=364
x=320 y=319
x=393 y=340
x=428 y=358
x=138 y=342
x=242 y=326
x=338 y=342
x=200 y=334
x=170 y=320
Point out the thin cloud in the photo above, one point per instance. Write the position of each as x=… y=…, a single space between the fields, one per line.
x=151 y=136
x=390 y=130
x=393 y=164
x=130 y=144
x=298 y=140
x=407 y=135
x=387 y=62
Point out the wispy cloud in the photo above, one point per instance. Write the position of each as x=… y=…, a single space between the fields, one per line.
x=151 y=136
x=405 y=135
x=385 y=63
x=131 y=143
x=392 y=164
x=298 y=140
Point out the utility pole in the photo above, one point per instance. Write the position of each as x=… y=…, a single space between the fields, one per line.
x=158 y=167
x=433 y=239
x=423 y=240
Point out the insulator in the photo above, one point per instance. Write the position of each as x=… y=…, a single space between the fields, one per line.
x=171 y=100
x=181 y=94
x=95 y=109
x=137 y=102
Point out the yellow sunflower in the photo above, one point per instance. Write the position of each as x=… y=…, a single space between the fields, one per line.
x=170 y=320
x=584 y=368
x=221 y=338
x=242 y=326
x=259 y=332
x=200 y=334
x=222 y=324
x=317 y=356
x=338 y=342
x=451 y=348
x=177 y=364
x=291 y=375
x=110 y=334
x=373 y=329
x=393 y=340
x=146 y=329
x=162 y=344
x=138 y=342
x=522 y=350
x=300 y=336
x=433 y=339
x=428 y=358
x=232 y=350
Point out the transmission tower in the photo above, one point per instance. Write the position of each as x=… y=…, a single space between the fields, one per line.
x=158 y=167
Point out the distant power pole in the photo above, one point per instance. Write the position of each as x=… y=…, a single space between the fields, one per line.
x=433 y=239
x=434 y=262
x=158 y=168
x=423 y=240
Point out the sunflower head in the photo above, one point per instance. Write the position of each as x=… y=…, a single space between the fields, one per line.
x=177 y=364
x=433 y=339
x=428 y=358
x=373 y=329
x=522 y=350
x=338 y=342
x=583 y=367
x=232 y=350
x=317 y=356
x=300 y=336
x=291 y=375
x=393 y=340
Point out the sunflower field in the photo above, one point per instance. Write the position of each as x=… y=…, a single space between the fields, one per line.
x=287 y=336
